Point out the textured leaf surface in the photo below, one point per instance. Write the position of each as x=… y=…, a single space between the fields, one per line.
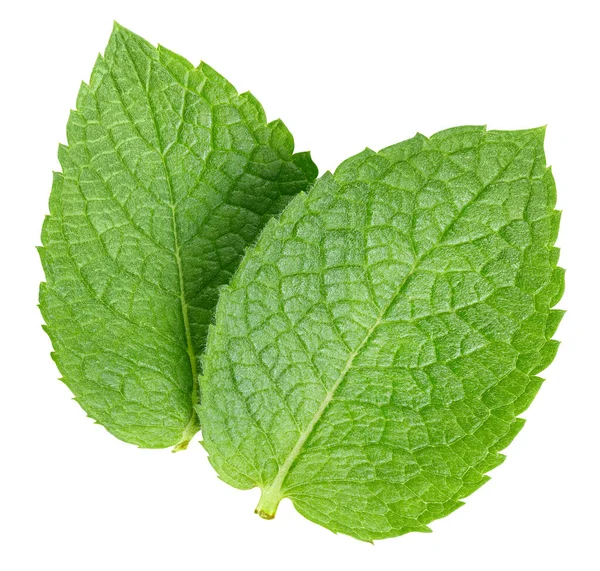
x=373 y=351
x=167 y=177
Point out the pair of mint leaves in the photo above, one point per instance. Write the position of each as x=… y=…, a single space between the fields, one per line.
x=361 y=343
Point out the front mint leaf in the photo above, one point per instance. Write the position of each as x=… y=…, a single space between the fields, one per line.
x=168 y=176
x=372 y=353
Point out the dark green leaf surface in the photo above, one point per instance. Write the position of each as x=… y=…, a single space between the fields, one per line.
x=168 y=175
x=373 y=352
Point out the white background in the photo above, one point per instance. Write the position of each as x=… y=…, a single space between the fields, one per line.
x=342 y=75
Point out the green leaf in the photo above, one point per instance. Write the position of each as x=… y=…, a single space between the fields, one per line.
x=168 y=176
x=373 y=351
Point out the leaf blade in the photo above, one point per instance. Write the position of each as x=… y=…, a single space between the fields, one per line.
x=168 y=175
x=387 y=333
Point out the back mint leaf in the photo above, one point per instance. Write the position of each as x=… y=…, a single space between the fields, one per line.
x=372 y=353
x=168 y=176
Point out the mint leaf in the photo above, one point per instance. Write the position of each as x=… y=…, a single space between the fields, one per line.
x=373 y=351
x=168 y=175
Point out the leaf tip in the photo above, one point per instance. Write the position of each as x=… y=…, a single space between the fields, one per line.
x=539 y=134
x=120 y=29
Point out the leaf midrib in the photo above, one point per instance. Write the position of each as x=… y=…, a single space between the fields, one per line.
x=273 y=493
x=192 y=426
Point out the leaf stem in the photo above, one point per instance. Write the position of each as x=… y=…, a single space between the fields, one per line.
x=192 y=427
x=269 y=501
